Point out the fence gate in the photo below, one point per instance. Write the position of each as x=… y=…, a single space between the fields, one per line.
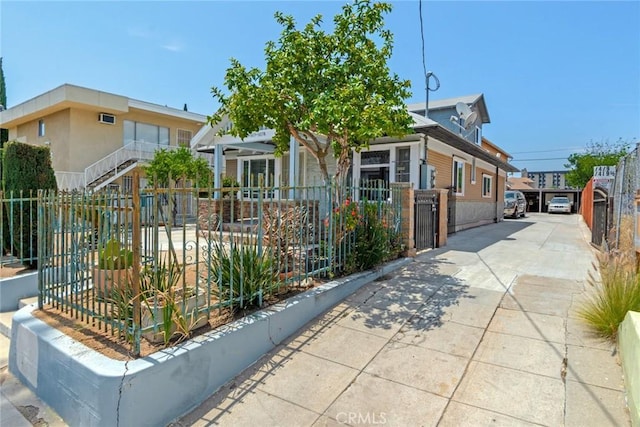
x=600 y=208
x=426 y=219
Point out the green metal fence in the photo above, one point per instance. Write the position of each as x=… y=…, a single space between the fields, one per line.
x=130 y=266
x=18 y=228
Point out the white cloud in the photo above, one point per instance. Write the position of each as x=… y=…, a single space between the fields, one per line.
x=173 y=46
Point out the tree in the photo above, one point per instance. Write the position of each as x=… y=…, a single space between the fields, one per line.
x=581 y=165
x=330 y=91
x=4 y=133
x=177 y=164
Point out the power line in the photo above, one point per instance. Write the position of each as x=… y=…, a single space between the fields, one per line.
x=531 y=160
x=549 y=151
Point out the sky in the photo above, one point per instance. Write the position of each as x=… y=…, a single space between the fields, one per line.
x=556 y=76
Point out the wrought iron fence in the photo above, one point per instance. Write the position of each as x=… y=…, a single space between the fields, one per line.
x=18 y=228
x=127 y=265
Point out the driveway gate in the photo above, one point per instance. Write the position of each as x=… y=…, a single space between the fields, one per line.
x=600 y=208
x=426 y=219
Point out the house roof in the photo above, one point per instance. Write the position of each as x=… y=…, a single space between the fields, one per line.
x=454 y=140
x=440 y=104
x=258 y=141
x=495 y=147
x=67 y=95
x=515 y=183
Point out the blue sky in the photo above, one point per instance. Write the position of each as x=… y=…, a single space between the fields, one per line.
x=556 y=75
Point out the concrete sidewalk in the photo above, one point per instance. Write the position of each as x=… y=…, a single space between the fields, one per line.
x=480 y=332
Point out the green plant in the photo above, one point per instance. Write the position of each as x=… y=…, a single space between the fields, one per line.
x=166 y=302
x=159 y=277
x=243 y=275
x=114 y=257
x=617 y=291
x=372 y=240
x=230 y=187
x=26 y=169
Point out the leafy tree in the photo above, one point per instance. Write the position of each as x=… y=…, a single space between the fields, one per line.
x=4 y=133
x=177 y=164
x=581 y=165
x=330 y=91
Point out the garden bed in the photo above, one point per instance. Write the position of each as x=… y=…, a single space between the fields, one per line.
x=96 y=337
x=88 y=389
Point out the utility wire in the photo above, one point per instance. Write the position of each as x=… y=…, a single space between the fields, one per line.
x=424 y=59
x=549 y=151
x=531 y=160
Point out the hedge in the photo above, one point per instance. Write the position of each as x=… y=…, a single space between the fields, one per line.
x=26 y=168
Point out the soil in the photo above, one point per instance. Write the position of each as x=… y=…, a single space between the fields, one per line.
x=14 y=269
x=104 y=340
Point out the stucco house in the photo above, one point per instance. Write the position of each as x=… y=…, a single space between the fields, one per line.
x=97 y=138
x=439 y=154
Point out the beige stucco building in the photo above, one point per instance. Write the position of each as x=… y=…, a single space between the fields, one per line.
x=95 y=137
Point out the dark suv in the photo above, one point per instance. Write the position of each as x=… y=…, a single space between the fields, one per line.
x=515 y=205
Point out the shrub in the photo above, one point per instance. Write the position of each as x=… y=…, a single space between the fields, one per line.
x=26 y=168
x=243 y=275
x=366 y=233
x=372 y=245
x=617 y=291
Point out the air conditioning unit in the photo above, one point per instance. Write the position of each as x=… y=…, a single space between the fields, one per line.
x=109 y=119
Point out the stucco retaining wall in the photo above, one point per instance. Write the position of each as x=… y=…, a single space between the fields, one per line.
x=13 y=289
x=89 y=389
x=629 y=343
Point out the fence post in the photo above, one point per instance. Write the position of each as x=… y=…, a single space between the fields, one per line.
x=404 y=190
x=135 y=275
x=443 y=201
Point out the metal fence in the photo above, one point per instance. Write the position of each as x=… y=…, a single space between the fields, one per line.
x=128 y=266
x=625 y=185
x=18 y=228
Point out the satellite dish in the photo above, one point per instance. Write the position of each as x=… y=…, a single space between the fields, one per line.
x=469 y=116
x=463 y=110
x=470 y=120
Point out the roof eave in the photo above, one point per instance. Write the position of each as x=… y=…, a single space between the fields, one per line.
x=447 y=137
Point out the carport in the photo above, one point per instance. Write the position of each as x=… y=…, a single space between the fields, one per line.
x=537 y=198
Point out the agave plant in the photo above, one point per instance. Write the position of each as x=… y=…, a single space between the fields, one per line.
x=243 y=274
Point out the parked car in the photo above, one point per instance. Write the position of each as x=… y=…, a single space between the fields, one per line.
x=515 y=205
x=559 y=204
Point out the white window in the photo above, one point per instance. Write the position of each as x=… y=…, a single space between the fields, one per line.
x=183 y=137
x=255 y=169
x=458 y=176
x=403 y=164
x=486 y=185
x=478 y=135
x=145 y=132
x=41 y=127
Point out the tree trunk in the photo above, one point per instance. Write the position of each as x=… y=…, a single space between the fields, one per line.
x=342 y=168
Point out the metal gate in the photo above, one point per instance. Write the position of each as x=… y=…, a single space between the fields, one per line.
x=600 y=208
x=426 y=219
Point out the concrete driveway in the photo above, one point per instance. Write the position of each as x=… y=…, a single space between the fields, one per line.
x=481 y=332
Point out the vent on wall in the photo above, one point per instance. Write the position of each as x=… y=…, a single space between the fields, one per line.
x=109 y=119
